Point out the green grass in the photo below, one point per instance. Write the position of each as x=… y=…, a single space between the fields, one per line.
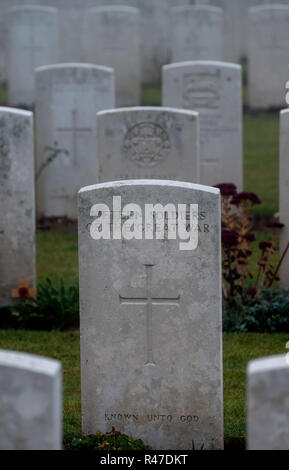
x=261 y=160
x=3 y=96
x=238 y=350
x=57 y=257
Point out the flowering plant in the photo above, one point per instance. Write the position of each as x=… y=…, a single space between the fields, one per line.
x=237 y=236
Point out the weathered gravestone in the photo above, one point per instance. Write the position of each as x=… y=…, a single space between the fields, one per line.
x=268 y=55
x=151 y=330
x=33 y=41
x=160 y=143
x=5 y=5
x=214 y=89
x=235 y=26
x=155 y=37
x=197 y=33
x=113 y=39
x=268 y=403
x=284 y=196
x=17 y=206
x=30 y=402
x=68 y=96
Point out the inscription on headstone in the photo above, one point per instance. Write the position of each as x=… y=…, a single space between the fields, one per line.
x=151 y=358
x=148 y=142
x=214 y=90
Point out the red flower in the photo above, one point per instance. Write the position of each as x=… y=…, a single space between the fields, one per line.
x=275 y=225
x=250 y=237
x=264 y=245
x=252 y=197
x=227 y=189
x=23 y=293
x=230 y=238
x=251 y=291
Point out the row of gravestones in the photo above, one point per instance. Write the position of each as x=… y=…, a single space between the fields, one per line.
x=75 y=149
x=154 y=27
x=189 y=139
x=113 y=38
x=145 y=371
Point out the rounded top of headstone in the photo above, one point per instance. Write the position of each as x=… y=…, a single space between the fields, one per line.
x=152 y=183
x=29 y=362
x=194 y=8
x=73 y=66
x=267 y=364
x=205 y=63
x=114 y=9
x=269 y=7
x=284 y=112
x=32 y=8
x=15 y=111
x=148 y=109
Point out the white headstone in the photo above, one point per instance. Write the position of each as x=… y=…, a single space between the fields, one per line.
x=268 y=55
x=33 y=41
x=284 y=195
x=113 y=39
x=197 y=33
x=30 y=402
x=268 y=403
x=68 y=96
x=155 y=37
x=235 y=24
x=150 y=358
x=17 y=206
x=161 y=143
x=214 y=89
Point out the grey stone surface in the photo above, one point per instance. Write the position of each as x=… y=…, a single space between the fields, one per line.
x=17 y=206
x=148 y=142
x=197 y=33
x=268 y=55
x=33 y=41
x=30 y=402
x=268 y=403
x=214 y=89
x=113 y=39
x=151 y=329
x=155 y=37
x=284 y=195
x=68 y=96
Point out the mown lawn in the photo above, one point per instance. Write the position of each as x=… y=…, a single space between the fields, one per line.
x=57 y=255
x=57 y=259
x=238 y=350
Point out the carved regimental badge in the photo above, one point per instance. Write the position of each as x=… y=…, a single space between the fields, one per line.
x=147 y=144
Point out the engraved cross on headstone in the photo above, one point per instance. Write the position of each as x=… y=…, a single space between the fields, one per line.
x=149 y=302
x=75 y=130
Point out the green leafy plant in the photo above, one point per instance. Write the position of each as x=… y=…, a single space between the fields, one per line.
x=113 y=440
x=267 y=312
x=52 y=308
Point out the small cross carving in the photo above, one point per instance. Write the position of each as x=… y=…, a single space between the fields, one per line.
x=23 y=291
x=74 y=130
x=149 y=302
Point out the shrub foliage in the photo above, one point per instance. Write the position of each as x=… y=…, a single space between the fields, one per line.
x=52 y=308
